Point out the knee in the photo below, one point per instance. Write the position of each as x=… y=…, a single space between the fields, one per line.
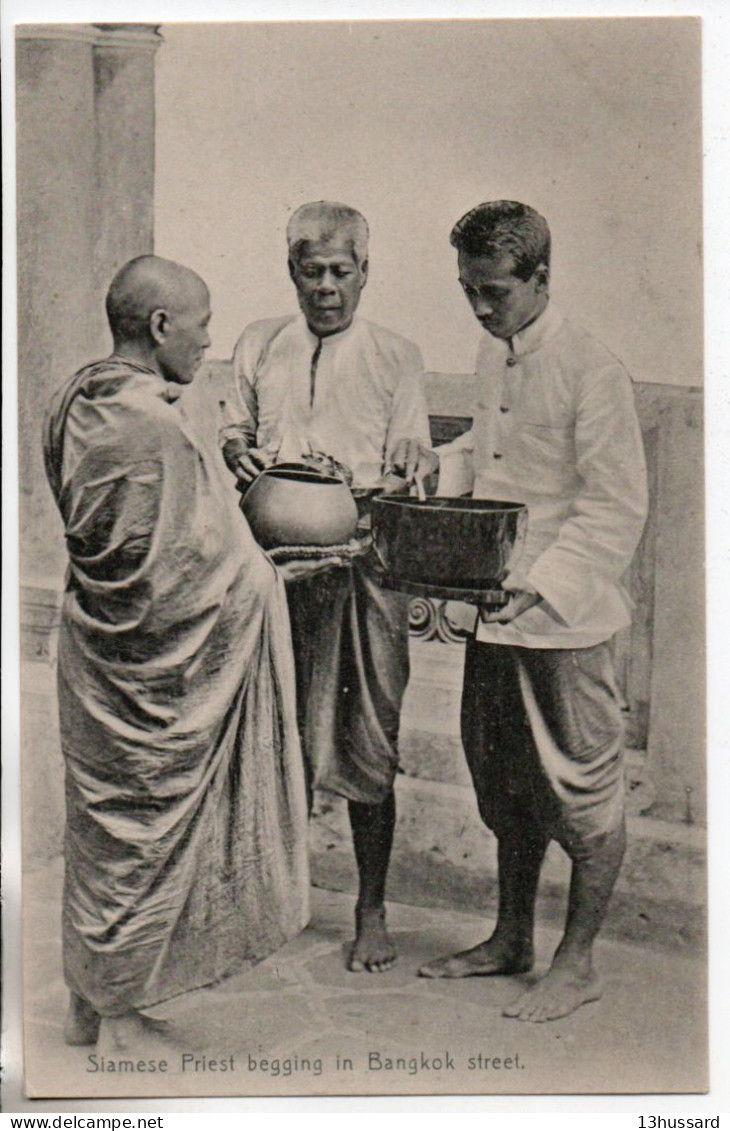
x=607 y=846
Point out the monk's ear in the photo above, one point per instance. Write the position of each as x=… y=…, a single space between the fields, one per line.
x=159 y=326
x=364 y=271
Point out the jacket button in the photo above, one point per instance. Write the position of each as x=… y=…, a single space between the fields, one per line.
x=497 y=455
x=511 y=361
x=504 y=408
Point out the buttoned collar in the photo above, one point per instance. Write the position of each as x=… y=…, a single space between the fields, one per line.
x=340 y=336
x=538 y=333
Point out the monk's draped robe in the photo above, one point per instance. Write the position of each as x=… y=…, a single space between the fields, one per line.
x=185 y=842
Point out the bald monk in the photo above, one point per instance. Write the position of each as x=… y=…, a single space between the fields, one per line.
x=185 y=845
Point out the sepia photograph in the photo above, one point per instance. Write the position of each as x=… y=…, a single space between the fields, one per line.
x=362 y=524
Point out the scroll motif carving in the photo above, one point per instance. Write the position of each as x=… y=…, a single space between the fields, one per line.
x=428 y=620
x=422 y=618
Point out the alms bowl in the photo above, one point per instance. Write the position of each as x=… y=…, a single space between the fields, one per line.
x=454 y=543
x=295 y=506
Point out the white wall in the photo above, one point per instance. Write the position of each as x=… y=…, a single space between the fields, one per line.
x=594 y=122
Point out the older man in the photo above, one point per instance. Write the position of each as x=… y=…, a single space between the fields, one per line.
x=185 y=846
x=328 y=381
x=554 y=427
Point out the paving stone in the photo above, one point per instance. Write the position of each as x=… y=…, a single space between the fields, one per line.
x=646 y=1034
x=278 y=977
x=224 y=1023
x=330 y=970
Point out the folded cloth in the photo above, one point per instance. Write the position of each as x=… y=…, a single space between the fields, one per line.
x=185 y=850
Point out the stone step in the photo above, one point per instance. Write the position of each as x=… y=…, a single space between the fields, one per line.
x=430 y=741
x=443 y=856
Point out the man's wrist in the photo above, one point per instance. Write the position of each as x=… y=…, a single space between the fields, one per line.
x=516 y=582
x=233 y=448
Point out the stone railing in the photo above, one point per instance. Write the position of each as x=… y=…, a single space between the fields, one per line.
x=660 y=658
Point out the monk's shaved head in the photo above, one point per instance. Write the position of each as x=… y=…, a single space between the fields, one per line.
x=159 y=313
x=144 y=285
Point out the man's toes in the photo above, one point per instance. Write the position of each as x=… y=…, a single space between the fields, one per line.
x=541 y=1005
x=524 y=1009
x=439 y=968
x=379 y=965
x=520 y=1012
x=541 y=1011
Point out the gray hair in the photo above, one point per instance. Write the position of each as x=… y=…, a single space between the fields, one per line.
x=505 y=227
x=323 y=221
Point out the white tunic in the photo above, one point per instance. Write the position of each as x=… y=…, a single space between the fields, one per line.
x=368 y=393
x=555 y=427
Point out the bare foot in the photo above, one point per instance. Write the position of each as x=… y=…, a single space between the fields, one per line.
x=563 y=990
x=373 y=948
x=130 y=1031
x=82 y=1022
x=488 y=958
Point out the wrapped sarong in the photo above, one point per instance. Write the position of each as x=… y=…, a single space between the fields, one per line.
x=351 y=656
x=185 y=846
x=542 y=731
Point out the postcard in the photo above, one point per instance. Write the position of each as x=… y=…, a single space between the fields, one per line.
x=394 y=783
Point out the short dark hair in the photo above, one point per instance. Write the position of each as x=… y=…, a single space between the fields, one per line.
x=505 y=227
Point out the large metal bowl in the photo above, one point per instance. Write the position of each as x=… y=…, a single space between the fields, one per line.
x=451 y=543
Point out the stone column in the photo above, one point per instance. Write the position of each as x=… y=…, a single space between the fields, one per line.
x=85 y=167
x=676 y=743
x=58 y=318
x=124 y=61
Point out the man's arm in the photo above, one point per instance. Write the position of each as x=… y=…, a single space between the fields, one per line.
x=239 y=416
x=408 y=441
x=597 y=541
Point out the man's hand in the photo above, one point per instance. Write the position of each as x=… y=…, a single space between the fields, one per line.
x=412 y=459
x=520 y=600
x=392 y=484
x=299 y=568
x=250 y=464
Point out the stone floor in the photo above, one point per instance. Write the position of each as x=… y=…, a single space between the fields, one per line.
x=300 y=1024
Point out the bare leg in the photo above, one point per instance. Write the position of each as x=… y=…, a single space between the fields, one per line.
x=510 y=949
x=372 y=837
x=82 y=1022
x=571 y=980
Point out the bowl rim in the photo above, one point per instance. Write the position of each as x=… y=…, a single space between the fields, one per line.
x=501 y=506
x=300 y=475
